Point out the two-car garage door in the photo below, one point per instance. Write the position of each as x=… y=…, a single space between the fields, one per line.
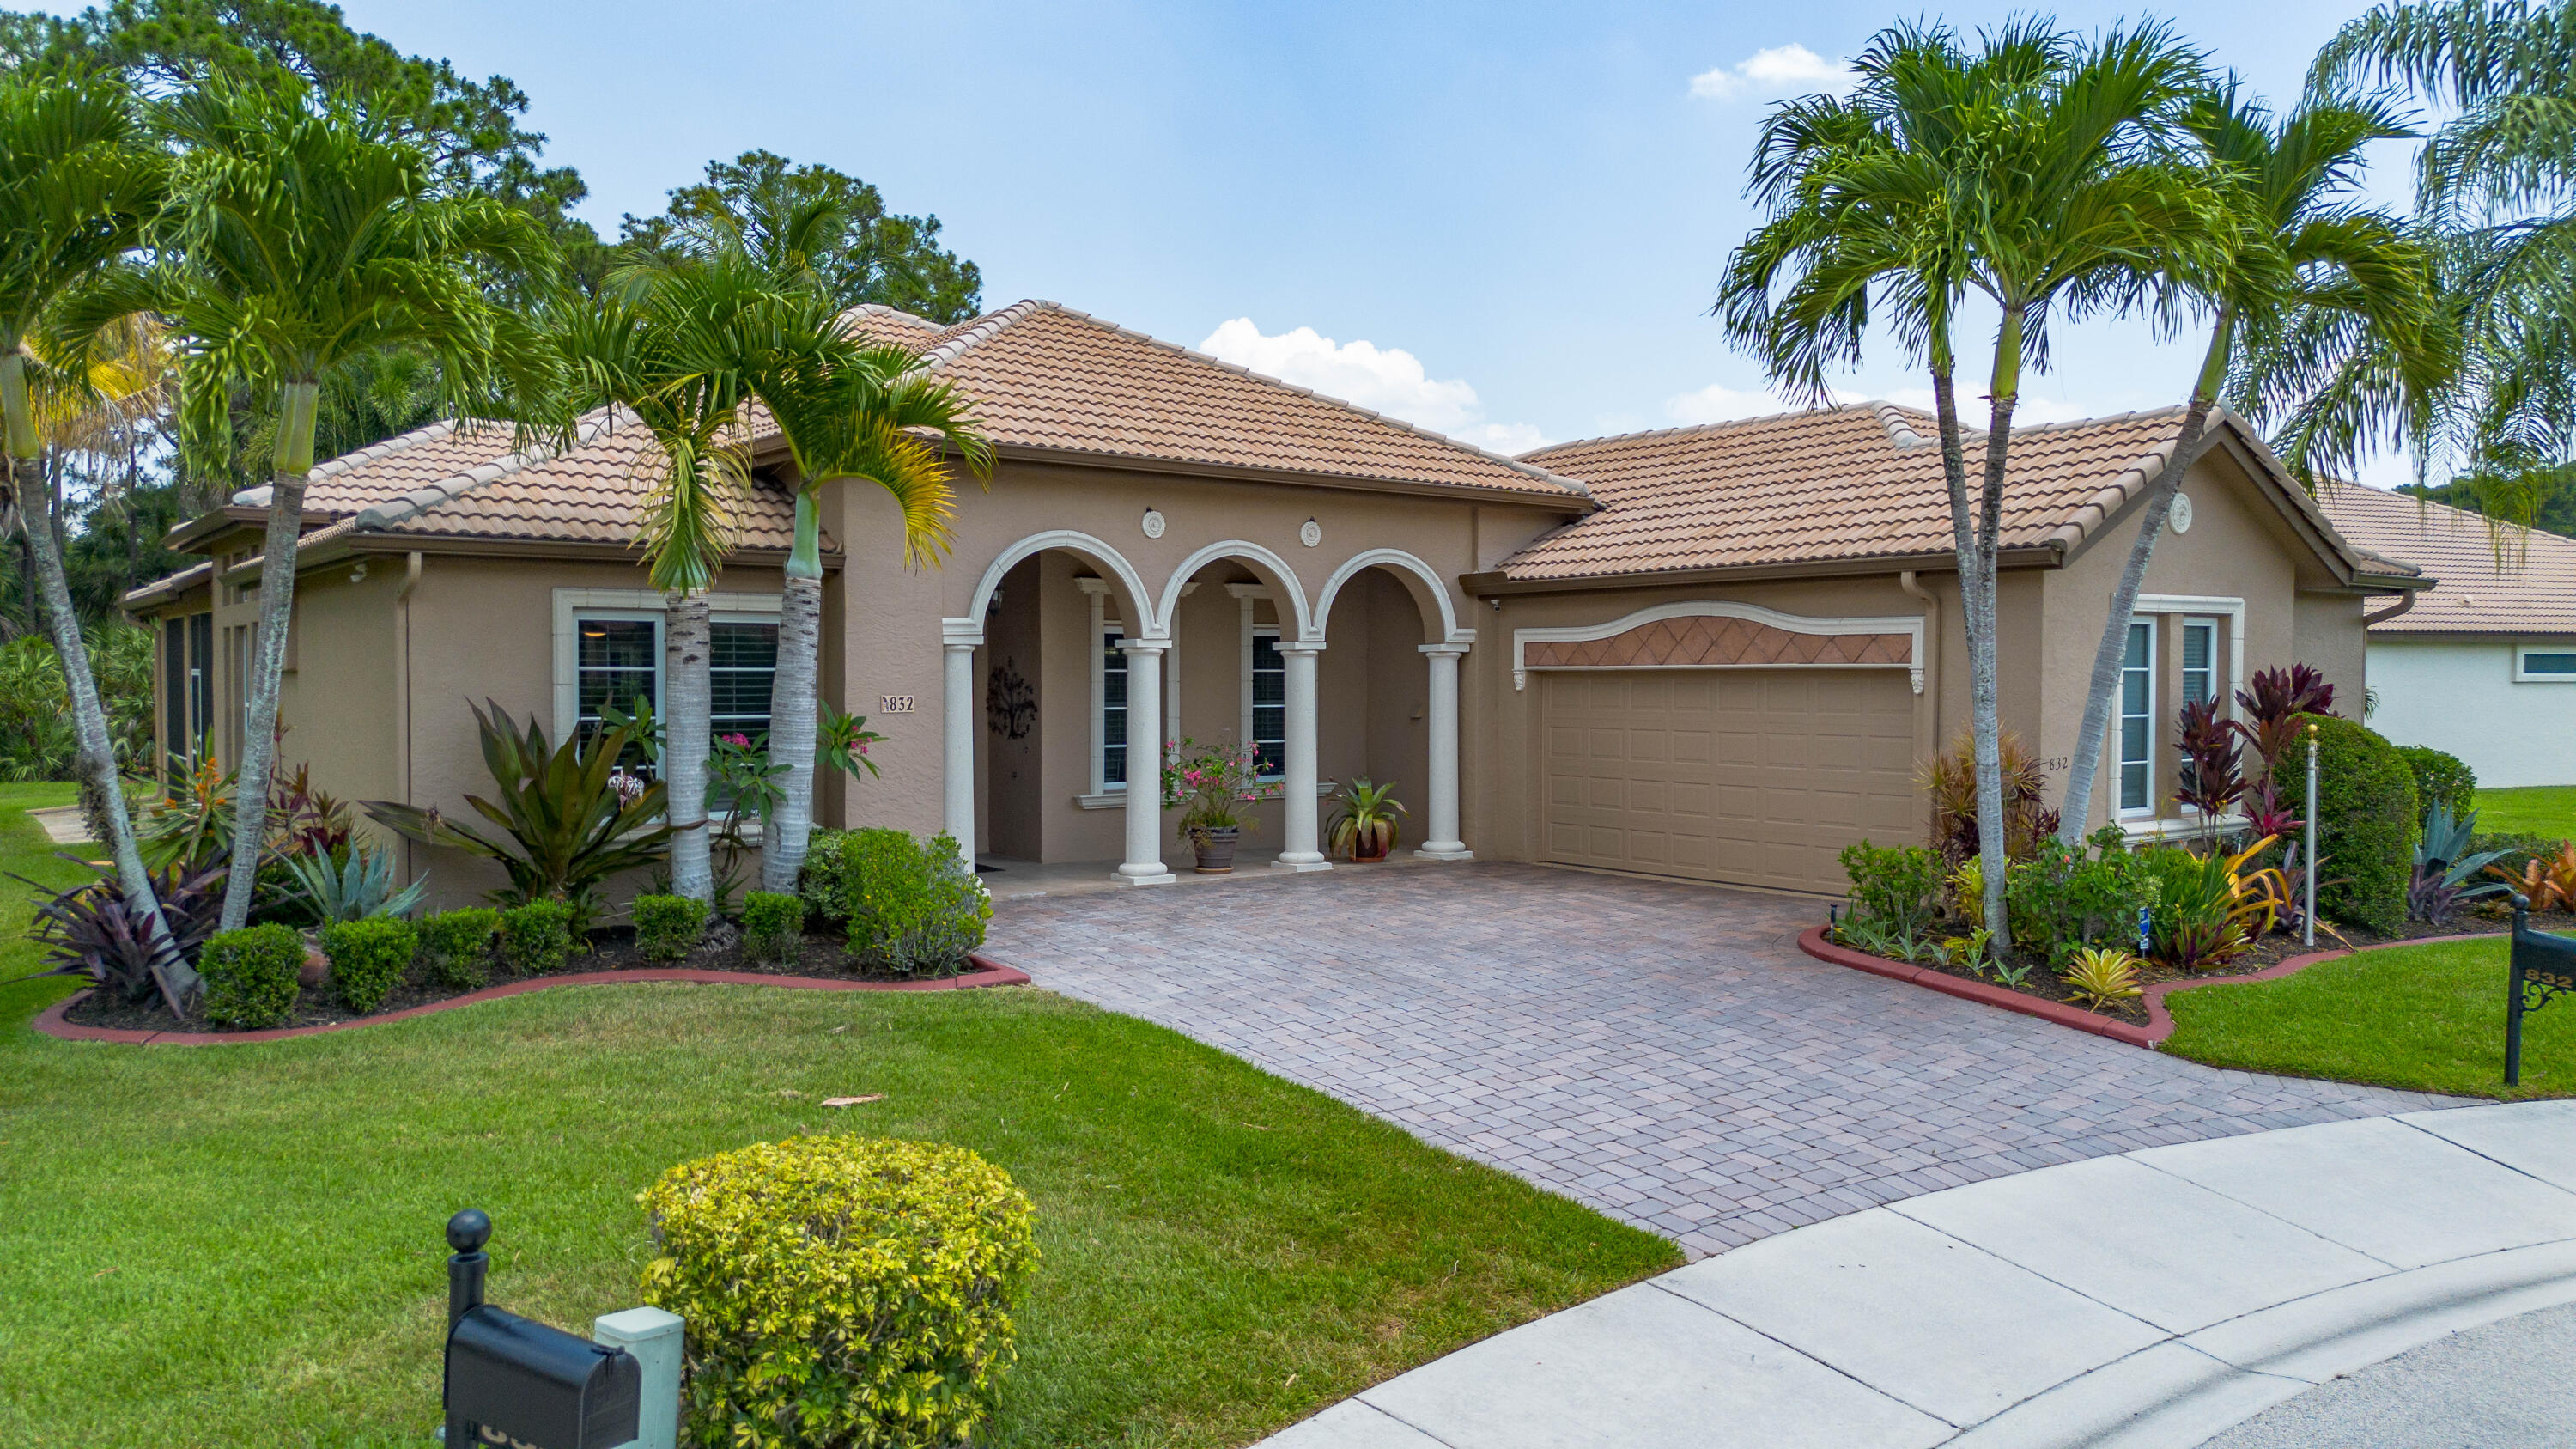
x=1746 y=776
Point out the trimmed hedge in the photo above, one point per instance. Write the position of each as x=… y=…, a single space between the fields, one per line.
x=368 y=958
x=537 y=938
x=250 y=976
x=2367 y=824
x=457 y=945
x=824 y=882
x=910 y=908
x=772 y=924
x=840 y=1291
x=2441 y=779
x=669 y=927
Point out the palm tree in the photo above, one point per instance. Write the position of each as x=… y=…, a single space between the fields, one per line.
x=674 y=349
x=2499 y=182
x=861 y=413
x=78 y=186
x=2021 y=171
x=2321 y=312
x=306 y=235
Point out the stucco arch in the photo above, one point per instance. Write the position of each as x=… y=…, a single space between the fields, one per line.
x=1419 y=580
x=1273 y=570
x=970 y=629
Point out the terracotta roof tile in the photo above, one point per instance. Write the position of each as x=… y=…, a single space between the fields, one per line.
x=2494 y=579
x=1852 y=482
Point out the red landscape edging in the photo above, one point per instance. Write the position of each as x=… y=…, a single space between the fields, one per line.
x=2160 y=1022
x=988 y=972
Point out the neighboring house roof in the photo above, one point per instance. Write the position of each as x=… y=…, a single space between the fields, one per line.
x=1849 y=484
x=2496 y=578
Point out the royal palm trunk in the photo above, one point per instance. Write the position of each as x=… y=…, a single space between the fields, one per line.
x=294 y=460
x=792 y=708
x=688 y=647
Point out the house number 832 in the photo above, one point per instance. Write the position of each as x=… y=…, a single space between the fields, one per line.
x=896 y=704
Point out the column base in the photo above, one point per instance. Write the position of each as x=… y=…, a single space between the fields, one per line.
x=1306 y=861
x=1444 y=850
x=1144 y=875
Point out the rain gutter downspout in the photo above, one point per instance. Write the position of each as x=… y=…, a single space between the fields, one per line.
x=2404 y=603
x=402 y=605
x=1930 y=710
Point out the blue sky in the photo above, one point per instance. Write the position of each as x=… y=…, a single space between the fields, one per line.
x=1533 y=202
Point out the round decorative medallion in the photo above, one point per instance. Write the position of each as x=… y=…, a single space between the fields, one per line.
x=1310 y=533
x=2179 y=520
x=1153 y=523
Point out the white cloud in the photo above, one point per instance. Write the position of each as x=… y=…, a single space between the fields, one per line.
x=1389 y=380
x=1718 y=403
x=1779 y=70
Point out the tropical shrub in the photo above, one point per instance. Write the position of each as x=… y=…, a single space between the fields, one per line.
x=2440 y=779
x=37 y=740
x=2063 y=898
x=565 y=825
x=1951 y=780
x=192 y=820
x=1209 y=783
x=456 y=944
x=2212 y=778
x=668 y=927
x=89 y=931
x=354 y=885
x=251 y=976
x=2366 y=820
x=1895 y=896
x=2446 y=873
x=824 y=882
x=368 y=958
x=2272 y=703
x=2101 y=976
x=772 y=925
x=2204 y=911
x=909 y=907
x=537 y=937
x=840 y=1291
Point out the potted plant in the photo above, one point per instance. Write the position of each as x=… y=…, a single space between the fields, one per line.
x=1364 y=825
x=1209 y=784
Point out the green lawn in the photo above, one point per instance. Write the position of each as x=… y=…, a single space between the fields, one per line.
x=2535 y=809
x=240 y=1245
x=2426 y=1017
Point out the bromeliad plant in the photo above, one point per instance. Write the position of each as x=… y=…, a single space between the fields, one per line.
x=564 y=826
x=2441 y=883
x=2101 y=977
x=2548 y=880
x=93 y=931
x=1364 y=825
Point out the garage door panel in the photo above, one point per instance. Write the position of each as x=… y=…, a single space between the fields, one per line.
x=1758 y=777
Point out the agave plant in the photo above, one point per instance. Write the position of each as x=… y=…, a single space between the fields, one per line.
x=358 y=889
x=90 y=930
x=2445 y=868
x=565 y=824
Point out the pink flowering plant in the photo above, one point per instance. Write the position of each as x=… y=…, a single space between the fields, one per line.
x=1210 y=784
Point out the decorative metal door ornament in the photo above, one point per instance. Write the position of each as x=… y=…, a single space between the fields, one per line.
x=1010 y=704
x=2543 y=969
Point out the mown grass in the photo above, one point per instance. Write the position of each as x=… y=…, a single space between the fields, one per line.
x=2533 y=809
x=240 y=1245
x=2426 y=1017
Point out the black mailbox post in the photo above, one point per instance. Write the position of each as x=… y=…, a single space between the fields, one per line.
x=517 y=1378
x=2544 y=965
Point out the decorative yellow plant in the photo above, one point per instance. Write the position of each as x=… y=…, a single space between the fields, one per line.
x=2100 y=976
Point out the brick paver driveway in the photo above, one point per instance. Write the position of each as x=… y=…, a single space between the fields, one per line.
x=1663 y=1052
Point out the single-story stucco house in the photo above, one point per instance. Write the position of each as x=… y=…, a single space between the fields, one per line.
x=1715 y=653
x=2485 y=666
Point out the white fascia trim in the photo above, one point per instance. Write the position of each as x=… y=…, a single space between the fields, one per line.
x=631 y=603
x=1910 y=625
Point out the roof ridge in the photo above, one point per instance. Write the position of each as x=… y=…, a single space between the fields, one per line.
x=880 y=309
x=1718 y=426
x=258 y=494
x=422 y=499
x=1572 y=485
x=984 y=329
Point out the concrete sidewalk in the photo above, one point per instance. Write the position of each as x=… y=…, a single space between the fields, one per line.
x=2150 y=1299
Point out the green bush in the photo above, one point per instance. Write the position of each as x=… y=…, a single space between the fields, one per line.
x=772 y=924
x=458 y=944
x=840 y=1291
x=824 y=882
x=537 y=938
x=250 y=976
x=911 y=908
x=2441 y=779
x=367 y=958
x=2065 y=899
x=669 y=927
x=2366 y=821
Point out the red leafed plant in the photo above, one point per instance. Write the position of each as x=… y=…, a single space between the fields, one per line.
x=2211 y=777
x=2273 y=700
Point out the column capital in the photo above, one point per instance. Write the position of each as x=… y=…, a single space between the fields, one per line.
x=1451 y=650
x=1144 y=646
x=961 y=633
x=1301 y=646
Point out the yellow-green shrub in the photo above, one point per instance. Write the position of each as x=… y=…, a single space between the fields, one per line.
x=840 y=1291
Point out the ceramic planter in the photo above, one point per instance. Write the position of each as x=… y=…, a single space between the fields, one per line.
x=1214 y=847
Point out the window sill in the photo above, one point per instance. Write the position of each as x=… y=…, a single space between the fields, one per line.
x=1117 y=799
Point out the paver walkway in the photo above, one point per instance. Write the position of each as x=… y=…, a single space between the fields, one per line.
x=1662 y=1052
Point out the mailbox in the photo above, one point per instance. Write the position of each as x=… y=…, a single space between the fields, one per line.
x=2542 y=966
x=514 y=1377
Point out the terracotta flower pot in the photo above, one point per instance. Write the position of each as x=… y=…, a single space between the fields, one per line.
x=1369 y=846
x=1214 y=847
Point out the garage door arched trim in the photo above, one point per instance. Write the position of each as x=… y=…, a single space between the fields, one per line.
x=1746 y=636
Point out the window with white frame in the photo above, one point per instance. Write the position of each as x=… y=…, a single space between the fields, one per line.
x=1113 y=708
x=2138 y=720
x=1267 y=726
x=617 y=664
x=742 y=669
x=2199 y=660
x=2544 y=665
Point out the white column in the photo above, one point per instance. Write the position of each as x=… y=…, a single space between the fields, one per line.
x=1298 y=832
x=1443 y=842
x=1144 y=863
x=958 y=765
